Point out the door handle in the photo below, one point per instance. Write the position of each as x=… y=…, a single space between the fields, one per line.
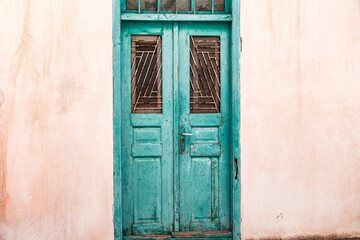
x=187 y=134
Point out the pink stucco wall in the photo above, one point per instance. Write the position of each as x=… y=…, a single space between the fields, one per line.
x=300 y=114
x=56 y=120
x=300 y=132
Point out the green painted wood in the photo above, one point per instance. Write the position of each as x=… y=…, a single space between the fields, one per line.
x=168 y=237
x=200 y=234
x=184 y=163
x=126 y=161
x=116 y=35
x=175 y=17
x=146 y=120
x=228 y=5
x=202 y=238
x=176 y=126
x=123 y=5
x=207 y=205
x=147 y=144
x=145 y=135
x=168 y=131
x=211 y=150
x=149 y=228
x=205 y=226
x=147 y=210
x=205 y=135
x=147 y=150
x=235 y=118
x=213 y=119
x=232 y=6
x=193 y=6
x=149 y=237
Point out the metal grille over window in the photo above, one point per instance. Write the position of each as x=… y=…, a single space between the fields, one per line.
x=176 y=6
x=146 y=74
x=204 y=74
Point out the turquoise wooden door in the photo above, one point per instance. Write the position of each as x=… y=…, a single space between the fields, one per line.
x=147 y=128
x=204 y=164
x=175 y=128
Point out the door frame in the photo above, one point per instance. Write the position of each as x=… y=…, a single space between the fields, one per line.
x=118 y=6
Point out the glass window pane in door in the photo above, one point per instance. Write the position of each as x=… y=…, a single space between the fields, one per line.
x=132 y=4
x=168 y=5
x=203 y=5
x=219 y=5
x=184 y=5
x=148 y=5
x=146 y=74
x=204 y=74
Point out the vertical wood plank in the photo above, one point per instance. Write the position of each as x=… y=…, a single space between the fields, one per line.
x=228 y=6
x=167 y=129
x=123 y=5
x=184 y=110
x=159 y=6
x=117 y=119
x=235 y=100
x=176 y=124
x=126 y=132
x=225 y=130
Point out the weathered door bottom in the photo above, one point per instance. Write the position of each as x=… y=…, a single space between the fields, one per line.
x=186 y=235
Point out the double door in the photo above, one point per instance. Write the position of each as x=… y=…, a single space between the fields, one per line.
x=175 y=162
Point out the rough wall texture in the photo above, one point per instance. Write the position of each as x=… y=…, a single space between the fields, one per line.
x=300 y=113
x=300 y=135
x=55 y=120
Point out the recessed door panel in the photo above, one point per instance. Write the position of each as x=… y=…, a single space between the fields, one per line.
x=148 y=190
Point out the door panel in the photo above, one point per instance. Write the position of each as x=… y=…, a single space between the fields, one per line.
x=204 y=127
x=147 y=132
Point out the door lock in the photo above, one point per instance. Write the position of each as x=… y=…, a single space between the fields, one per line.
x=183 y=141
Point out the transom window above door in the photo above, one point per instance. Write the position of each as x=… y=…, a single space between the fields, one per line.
x=177 y=6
